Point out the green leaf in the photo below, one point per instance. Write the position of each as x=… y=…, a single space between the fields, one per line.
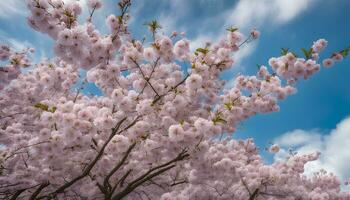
x=228 y=106
x=144 y=136
x=232 y=29
x=15 y=61
x=45 y=107
x=307 y=53
x=201 y=50
x=42 y=106
x=219 y=119
x=153 y=25
x=284 y=51
x=53 y=109
x=120 y=19
x=156 y=46
x=258 y=66
x=345 y=52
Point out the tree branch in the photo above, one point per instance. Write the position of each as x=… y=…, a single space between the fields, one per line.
x=37 y=191
x=171 y=89
x=92 y=164
x=144 y=76
x=17 y=193
x=178 y=183
x=121 y=182
x=153 y=172
x=132 y=186
x=121 y=162
x=254 y=195
x=150 y=76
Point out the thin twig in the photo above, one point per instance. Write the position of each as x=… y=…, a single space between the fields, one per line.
x=144 y=76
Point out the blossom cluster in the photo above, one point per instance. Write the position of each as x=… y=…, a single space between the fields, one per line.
x=158 y=131
x=16 y=61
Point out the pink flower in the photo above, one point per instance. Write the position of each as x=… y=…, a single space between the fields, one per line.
x=255 y=34
x=319 y=45
x=173 y=34
x=166 y=44
x=274 y=148
x=176 y=132
x=65 y=37
x=94 y=4
x=178 y=126
x=38 y=13
x=182 y=49
x=194 y=81
x=149 y=53
x=337 y=57
x=112 y=22
x=328 y=62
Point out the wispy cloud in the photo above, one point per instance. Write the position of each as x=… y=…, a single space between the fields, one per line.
x=256 y=13
x=15 y=43
x=170 y=19
x=168 y=24
x=20 y=45
x=11 y=8
x=247 y=14
x=334 y=148
x=200 y=41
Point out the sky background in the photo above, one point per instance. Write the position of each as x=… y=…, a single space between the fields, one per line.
x=315 y=118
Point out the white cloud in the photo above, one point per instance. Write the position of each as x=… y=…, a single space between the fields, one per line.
x=289 y=9
x=244 y=52
x=200 y=41
x=14 y=43
x=19 y=45
x=334 y=148
x=298 y=137
x=11 y=8
x=170 y=19
x=168 y=24
x=135 y=11
x=248 y=13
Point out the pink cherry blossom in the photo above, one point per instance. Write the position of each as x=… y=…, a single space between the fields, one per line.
x=255 y=34
x=94 y=4
x=158 y=131
x=328 y=62
x=274 y=148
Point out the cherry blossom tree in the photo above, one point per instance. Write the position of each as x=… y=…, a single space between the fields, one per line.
x=158 y=131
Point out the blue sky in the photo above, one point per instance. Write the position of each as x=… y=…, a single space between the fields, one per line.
x=321 y=102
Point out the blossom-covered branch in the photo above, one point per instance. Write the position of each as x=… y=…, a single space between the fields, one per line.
x=162 y=128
